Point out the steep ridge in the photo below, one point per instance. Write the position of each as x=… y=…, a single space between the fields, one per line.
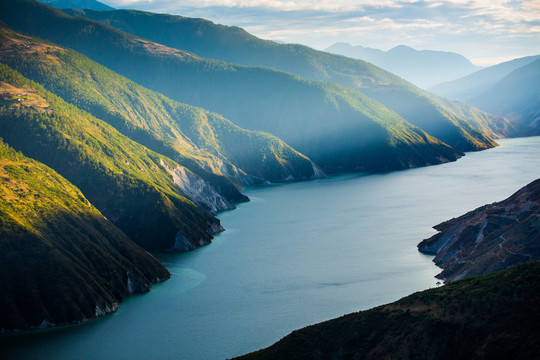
x=204 y=142
x=516 y=96
x=123 y=179
x=337 y=127
x=489 y=317
x=235 y=45
x=61 y=261
x=490 y=238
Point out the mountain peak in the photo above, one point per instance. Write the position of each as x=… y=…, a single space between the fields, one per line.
x=402 y=48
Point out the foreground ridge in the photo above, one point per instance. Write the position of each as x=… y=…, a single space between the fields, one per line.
x=61 y=261
x=490 y=238
x=488 y=317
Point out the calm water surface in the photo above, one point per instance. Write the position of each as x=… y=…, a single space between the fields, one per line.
x=296 y=254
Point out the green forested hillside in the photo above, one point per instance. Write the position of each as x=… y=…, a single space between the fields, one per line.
x=232 y=44
x=337 y=127
x=127 y=182
x=489 y=317
x=204 y=142
x=61 y=261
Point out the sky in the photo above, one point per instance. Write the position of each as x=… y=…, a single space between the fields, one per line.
x=485 y=31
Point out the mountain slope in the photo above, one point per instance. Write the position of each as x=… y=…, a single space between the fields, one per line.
x=204 y=142
x=254 y=98
x=516 y=96
x=490 y=238
x=128 y=183
x=424 y=68
x=77 y=4
x=493 y=126
x=479 y=82
x=61 y=261
x=235 y=45
x=489 y=317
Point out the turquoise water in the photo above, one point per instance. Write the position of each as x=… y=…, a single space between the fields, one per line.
x=296 y=254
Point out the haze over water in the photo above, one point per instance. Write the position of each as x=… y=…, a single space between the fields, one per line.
x=296 y=254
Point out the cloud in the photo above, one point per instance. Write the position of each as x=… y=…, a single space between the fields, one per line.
x=475 y=28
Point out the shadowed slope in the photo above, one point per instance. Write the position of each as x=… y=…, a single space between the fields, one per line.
x=61 y=261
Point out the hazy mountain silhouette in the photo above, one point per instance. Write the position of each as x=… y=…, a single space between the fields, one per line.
x=480 y=81
x=423 y=68
x=516 y=96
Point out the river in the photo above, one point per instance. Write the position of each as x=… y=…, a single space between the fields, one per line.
x=297 y=254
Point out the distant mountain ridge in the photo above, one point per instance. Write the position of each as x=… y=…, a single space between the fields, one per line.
x=510 y=90
x=477 y=83
x=447 y=121
x=516 y=96
x=424 y=68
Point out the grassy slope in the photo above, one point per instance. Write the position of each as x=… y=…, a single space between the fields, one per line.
x=123 y=179
x=489 y=317
x=341 y=136
x=61 y=261
x=447 y=121
x=202 y=141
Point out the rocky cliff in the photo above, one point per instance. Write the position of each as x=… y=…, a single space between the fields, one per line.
x=490 y=238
